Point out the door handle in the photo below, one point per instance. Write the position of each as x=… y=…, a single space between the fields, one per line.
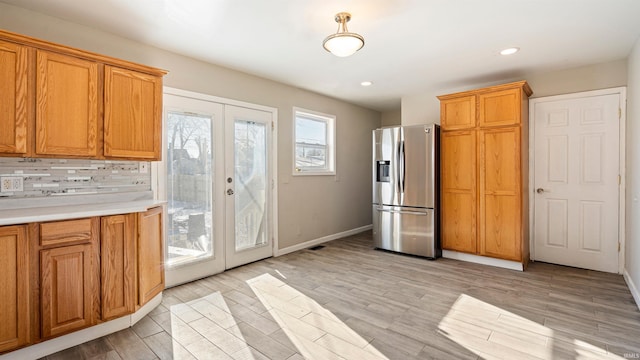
x=230 y=192
x=539 y=190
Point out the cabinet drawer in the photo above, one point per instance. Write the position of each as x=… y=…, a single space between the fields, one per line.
x=66 y=232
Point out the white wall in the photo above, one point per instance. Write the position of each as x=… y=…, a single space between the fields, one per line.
x=425 y=108
x=311 y=207
x=632 y=250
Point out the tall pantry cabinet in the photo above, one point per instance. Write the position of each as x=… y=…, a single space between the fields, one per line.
x=484 y=177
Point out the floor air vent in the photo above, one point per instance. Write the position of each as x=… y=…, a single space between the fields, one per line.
x=318 y=247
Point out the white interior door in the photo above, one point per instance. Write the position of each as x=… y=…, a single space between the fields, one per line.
x=193 y=162
x=248 y=185
x=576 y=183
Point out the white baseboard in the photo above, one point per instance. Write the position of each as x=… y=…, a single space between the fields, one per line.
x=632 y=287
x=310 y=243
x=81 y=336
x=512 y=265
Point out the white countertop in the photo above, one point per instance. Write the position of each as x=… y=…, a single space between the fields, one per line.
x=63 y=212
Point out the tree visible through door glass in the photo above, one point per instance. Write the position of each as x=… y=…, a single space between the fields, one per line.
x=189 y=184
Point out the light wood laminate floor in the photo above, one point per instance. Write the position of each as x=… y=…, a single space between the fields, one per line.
x=348 y=301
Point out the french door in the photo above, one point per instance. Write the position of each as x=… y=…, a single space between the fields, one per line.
x=218 y=185
x=248 y=185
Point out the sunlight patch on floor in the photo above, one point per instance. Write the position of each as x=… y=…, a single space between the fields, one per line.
x=494 y=333
x=315 y=331
x=207 y=329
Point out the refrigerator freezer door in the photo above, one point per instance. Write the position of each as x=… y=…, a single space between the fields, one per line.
x=406 y=230
x=385 y=165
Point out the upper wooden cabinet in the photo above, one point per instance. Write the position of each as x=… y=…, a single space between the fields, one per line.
x=14 y=286
x=84 y=104
x=500 y=108
x=458 y=113
x=484 y=171
x=67 y=105
x=132 y=114
x=499 y=105
x=13 y=98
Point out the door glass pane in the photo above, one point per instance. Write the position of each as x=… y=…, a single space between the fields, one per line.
x=250 y=154
x=189 y=184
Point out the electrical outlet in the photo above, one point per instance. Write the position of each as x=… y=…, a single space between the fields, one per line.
x=11 y=184
x=143 y=167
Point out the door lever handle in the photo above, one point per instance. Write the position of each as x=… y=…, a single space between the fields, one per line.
x=539 y=190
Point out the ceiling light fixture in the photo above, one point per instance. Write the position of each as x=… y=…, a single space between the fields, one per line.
x=509 y=51
x=366 y=83
x=343 y=43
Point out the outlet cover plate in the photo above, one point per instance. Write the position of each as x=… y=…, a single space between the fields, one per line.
x=11 y=183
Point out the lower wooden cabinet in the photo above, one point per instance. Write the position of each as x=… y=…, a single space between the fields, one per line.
x=66 y=289
x=68 y=275
x=14 y=287
x=63 y=276
x=150 y=255
x=117 y=265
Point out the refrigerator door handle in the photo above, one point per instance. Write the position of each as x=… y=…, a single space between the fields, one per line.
x=398 y=181
x=402 y=164
x=407 y=212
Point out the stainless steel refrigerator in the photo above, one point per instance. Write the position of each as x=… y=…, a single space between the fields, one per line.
x=406 y=189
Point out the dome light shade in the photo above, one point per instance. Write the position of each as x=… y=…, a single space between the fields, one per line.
x=343 y=43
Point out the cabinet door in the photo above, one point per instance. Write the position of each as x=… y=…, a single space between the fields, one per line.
x=500 y=108
x=67 y=105
x=150 y=255
x=66 y=285
x=117 y=264
x=14 y=287
x=132 y=114
x=458 y=179
x=13 y=101
x=500 y=195
x=458 y=113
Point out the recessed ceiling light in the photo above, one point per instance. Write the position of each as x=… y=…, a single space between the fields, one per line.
x=509 y=51
x=366 y=83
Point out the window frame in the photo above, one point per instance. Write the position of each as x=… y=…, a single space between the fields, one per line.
x=330 y=147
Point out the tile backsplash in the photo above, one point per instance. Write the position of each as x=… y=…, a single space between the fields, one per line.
x=43 y=178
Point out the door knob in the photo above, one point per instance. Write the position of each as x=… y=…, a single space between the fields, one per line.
x=539 y=190
x=230 y=192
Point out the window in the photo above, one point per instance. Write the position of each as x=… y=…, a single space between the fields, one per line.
x=314 y=143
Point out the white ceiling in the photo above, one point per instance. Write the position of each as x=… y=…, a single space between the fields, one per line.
x=411 y=46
